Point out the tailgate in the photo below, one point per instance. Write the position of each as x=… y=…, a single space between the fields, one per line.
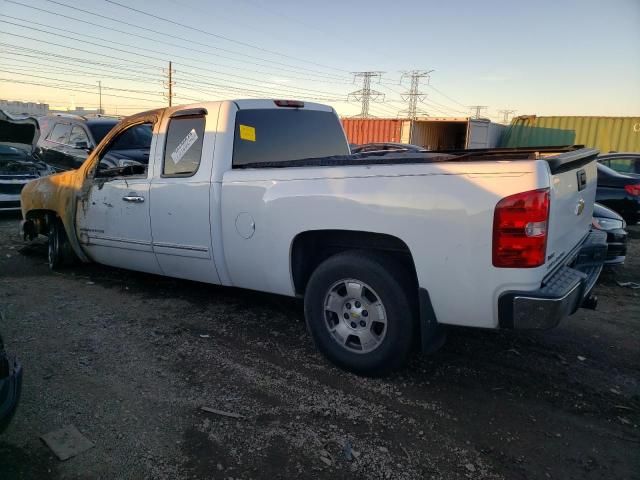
x=574 y=179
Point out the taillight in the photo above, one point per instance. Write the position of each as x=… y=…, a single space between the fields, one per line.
x=633 y=190
x=520 y=227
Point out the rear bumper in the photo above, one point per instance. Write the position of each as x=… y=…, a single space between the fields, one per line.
x=617 y=246
x=10 y=388
x=561 y=294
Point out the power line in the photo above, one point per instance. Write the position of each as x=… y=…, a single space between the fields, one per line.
x=151 y=57
x=48 y=56
x=223 y=37
x=143 y=92
x=61 y=86
x=65 y=70
x=325 y=78
x=315 y=93
x=366 y=95
x=446 y=96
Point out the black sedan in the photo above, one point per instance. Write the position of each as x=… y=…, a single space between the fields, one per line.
x=619 y=192
x=10 y=386
x=613 y=224
x=625 y=163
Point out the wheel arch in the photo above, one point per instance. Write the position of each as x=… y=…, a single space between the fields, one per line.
x=37 y=220
x=310 y=248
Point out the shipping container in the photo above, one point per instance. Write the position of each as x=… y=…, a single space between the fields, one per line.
x=429 y=132
x=619 y=134
x=369 y=130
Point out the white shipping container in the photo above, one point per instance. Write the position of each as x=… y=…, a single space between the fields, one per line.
x=452 y=133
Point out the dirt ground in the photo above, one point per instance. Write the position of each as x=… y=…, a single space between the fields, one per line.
x=130 y=359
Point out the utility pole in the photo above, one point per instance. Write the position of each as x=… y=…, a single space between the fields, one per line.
x=170 y=84
x=365 y=95
x=413 y=95
x=505 y=115
x=100 y=97
x=478 y=109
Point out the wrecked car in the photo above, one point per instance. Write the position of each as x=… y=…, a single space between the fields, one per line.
x=67 y=140
x=18 y=162
x=382 y=247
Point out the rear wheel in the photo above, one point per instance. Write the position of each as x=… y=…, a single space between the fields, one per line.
x=359 y=309
x=59 y=252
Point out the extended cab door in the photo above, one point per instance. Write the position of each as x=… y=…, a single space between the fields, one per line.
x=112 y=215
x=180 y=195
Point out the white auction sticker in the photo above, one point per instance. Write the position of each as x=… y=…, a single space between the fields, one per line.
x=184 y=146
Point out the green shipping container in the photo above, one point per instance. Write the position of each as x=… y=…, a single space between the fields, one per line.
x=619 y=134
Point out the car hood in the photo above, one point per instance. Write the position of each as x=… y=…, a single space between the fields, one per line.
x=22 y=133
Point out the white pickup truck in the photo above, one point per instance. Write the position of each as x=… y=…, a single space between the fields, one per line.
x=384 y=248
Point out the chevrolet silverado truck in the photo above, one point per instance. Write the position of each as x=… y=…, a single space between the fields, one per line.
x=385 y=248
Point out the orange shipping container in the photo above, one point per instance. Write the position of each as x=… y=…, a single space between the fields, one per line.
x=369 y=130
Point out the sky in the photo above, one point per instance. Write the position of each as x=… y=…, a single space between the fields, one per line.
x=537 y=58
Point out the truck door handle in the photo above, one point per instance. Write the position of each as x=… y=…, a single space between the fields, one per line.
x=133 y=198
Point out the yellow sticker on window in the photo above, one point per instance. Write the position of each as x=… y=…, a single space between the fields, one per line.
x=247 y=133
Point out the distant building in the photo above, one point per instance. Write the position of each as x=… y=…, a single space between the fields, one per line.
x=15 y=107
x=80 y=111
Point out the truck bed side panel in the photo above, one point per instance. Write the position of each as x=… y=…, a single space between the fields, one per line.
x=443 y=212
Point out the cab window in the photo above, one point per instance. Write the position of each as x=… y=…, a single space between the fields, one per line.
x=184 y=146
x=60 y=133
x=78 y=137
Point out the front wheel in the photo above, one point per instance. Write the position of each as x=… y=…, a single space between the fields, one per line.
x=59 y=252
x=360 y=313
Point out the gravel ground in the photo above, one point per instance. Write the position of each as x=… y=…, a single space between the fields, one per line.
x=130 y=359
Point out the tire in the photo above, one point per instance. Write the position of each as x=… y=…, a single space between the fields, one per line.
x=360 y=312
x=59 y=252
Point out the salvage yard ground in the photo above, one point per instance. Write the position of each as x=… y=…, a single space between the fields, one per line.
x=130 y=360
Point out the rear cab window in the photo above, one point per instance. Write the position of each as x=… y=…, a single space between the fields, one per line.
x=263 y=136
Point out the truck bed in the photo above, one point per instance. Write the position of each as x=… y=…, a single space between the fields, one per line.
x=559 y=158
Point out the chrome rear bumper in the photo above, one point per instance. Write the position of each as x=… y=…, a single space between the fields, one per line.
x=561 y=295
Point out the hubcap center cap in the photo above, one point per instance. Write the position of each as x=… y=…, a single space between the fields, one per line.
x=355 y=314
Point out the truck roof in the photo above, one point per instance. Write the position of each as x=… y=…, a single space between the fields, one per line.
x=241 y=104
